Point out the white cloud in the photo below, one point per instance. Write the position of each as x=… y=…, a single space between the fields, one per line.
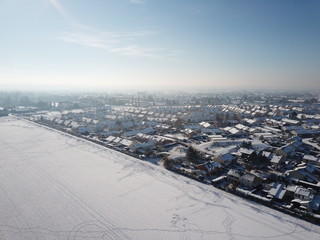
x=124 y=43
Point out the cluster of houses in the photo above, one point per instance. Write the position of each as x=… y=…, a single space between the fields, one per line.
x=272 y=151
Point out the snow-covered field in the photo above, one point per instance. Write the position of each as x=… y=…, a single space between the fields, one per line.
x=55 y=186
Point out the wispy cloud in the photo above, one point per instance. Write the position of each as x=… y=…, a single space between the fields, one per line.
x=99 y=38
x=62 y=11
x=67 y=16
x=124 y=43
x=120 y=42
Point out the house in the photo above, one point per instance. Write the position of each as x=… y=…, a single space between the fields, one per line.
x=231 y=131
x=290 y=191
x=250 y=121
x=74 y=125
x=304 y=133
x=244 y=152
x=189 y=132
x=211 y=131
x=250 y=180
x=198 y=174
x=225 y=159
x=110 y=138
x=289 y=149
x=278 y=191
x=247 y=179
x=233 y=176
x=210 y=167
x=303 y=194
x=205 y=124
x=142 y=147
x=241 y=127
x=308 y=173
x=267 y=154
x=276 y=160
x=286 y=121
x=311 y=159
x=117 y=140
x=126 y=142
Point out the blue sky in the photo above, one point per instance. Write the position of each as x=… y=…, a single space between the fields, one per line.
x=160 y=44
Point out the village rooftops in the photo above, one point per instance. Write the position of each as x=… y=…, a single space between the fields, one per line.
x=311 y=159
x=303 y=193
x=245 y=151
x=277 y=191
x=234 y=174
x=276 y=159
x=290 y=121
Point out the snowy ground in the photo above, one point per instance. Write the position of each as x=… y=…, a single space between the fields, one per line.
x=233 y=146
x=55 y=186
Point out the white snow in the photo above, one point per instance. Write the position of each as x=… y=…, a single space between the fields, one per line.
x=55 y=186
x=217 y=148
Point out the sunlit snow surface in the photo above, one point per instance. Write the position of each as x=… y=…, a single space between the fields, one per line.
x=54 y=186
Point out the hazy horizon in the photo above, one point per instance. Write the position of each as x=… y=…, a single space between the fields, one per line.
x=159 y=45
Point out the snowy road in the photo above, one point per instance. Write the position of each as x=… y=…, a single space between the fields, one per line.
x=55 y=186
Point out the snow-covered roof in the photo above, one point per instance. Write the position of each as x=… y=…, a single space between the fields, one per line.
x=110 y=138
x=278 y=190
x=276 y=159
x=126 y=142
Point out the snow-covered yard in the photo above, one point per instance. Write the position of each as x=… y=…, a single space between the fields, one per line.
x=55 y=186
x=216 y=148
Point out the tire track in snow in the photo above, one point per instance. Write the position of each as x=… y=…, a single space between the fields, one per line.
x=227 y=223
